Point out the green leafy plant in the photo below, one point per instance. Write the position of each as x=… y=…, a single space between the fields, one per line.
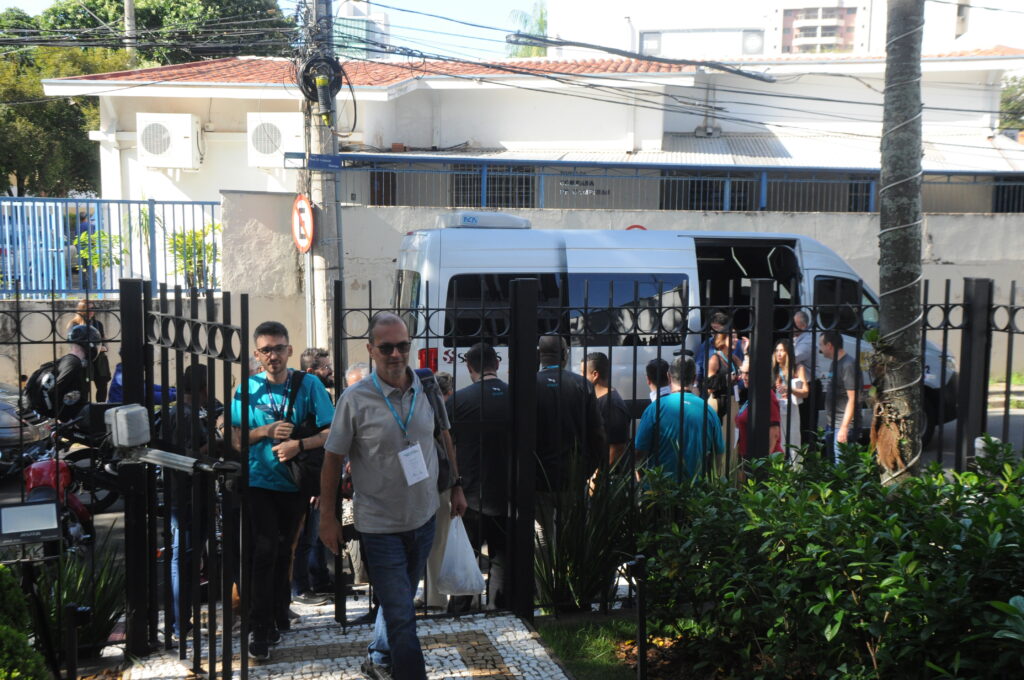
x=99 y=249
x=574 y=566
x=825 y=572
x=96 y=581
x=196 y=254
x=13 y=605
x=18 y=660
x=1013 y=627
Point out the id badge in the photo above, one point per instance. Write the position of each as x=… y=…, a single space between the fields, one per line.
x=413 y=465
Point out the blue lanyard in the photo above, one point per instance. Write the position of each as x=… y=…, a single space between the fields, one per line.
x=394 y=413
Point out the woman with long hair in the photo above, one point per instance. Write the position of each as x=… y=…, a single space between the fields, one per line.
x=791 y=385
x=100 y=372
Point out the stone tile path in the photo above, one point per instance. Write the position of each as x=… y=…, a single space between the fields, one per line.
x=482 y=646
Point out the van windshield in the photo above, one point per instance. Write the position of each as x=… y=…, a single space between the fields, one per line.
x=626 y=309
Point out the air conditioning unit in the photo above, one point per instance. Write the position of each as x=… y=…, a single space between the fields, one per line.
x=168 y=140
x=269 y=135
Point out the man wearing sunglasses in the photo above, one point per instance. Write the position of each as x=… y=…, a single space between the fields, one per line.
x=275 y=506
x=385 y=425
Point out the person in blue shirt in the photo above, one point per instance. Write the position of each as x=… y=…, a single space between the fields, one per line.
x=275 y=506
x=659 y=441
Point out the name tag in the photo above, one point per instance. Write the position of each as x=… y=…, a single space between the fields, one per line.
x=413 y=465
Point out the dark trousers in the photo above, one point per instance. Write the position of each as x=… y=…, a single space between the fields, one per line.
x=492 y=530
x=309 y=571
x=274 y=517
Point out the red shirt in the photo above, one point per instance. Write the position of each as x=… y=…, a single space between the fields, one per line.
x=742 y=419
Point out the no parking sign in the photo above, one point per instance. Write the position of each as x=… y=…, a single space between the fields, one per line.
x=302 y=223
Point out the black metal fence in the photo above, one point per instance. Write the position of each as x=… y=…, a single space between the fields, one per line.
x=634 y=328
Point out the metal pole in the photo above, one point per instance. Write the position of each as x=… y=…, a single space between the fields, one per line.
x=136 y=553
x=523 y=384
x=132 y=341
x=975 y=350
x=760 y=360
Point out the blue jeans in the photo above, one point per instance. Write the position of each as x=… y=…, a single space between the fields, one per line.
x=181 y=579
x=396 y=563
x=309 y=570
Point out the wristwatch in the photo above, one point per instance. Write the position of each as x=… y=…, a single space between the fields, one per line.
x=457 y=482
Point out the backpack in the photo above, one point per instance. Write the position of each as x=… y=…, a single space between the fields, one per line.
x=38 y=394
x=306 y=466
x=433 y=392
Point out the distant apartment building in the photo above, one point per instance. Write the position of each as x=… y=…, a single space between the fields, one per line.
x=748 y=28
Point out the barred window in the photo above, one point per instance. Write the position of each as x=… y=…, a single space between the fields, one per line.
x=507 y=186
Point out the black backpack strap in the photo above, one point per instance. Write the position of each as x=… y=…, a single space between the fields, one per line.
x=295 y=379
x=433 y=392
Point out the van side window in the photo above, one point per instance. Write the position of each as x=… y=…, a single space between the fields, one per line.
x=648 y=309
x=839 y=301
x=477 y=307
x=407 y=296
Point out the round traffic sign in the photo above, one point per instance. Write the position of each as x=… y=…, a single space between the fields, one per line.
x=302 y=223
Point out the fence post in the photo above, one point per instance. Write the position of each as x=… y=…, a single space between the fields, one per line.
x=151 y=230
x=136 y=555
x=523 y=383
x=760 y=360
x=975 y=352
x=132 y=341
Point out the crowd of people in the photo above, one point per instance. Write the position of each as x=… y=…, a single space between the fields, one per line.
x=386 y=437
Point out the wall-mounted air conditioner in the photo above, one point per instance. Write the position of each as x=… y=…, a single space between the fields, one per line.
x=168 y=140
x=269 y=135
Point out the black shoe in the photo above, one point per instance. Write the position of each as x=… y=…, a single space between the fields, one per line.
x=284 y=626
x=368 y=617
x=274 y=638
x=309 y=597
x=259 y=651
x=375 y=672
x=327 y=589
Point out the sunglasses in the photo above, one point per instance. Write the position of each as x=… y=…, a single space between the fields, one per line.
x=272 y=349
x=387 y=348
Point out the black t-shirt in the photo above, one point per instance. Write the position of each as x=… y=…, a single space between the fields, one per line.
x=481 y=418
x=187 y=443
x=71 y=392
x=567 y=420
x=615 y=416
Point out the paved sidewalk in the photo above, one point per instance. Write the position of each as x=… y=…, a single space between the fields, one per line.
x=472 y=646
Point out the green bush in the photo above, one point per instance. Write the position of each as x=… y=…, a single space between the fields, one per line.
x=18 y=660
x=826 y=573
x=96 y=581
x=99 y=249
x=196 y=254
x=13 y=604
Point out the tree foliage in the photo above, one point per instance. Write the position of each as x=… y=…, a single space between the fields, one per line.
x=186 y=30
x=1011 y=105
x=534 y=23
x=46 y=147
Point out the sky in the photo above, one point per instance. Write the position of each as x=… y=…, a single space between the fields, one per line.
x=413 y=30
x=430 y=35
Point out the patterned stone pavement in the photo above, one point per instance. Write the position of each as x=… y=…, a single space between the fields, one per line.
x=474 y=646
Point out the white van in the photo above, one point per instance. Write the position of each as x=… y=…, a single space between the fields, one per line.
x=462 y=272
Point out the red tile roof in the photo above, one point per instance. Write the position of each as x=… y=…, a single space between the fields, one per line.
x=276 y=71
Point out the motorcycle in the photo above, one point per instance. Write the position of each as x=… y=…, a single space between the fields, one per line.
x=47 y=478
x=19 y=432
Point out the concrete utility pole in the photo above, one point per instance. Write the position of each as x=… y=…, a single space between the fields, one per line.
x=325 y=195
x=897 y=430
x=130 y=35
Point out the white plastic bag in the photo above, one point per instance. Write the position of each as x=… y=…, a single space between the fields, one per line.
x=460 y=574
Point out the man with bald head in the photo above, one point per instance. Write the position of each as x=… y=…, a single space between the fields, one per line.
x=385 y=425
x=568 y=424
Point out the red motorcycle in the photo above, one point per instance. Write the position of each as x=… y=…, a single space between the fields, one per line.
x=48 y=478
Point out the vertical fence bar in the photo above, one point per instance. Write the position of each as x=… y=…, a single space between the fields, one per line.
x=151 y=230
x=760 y=361
x=523 y=381
x=975 y=350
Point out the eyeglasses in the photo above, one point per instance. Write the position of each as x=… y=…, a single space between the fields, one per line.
x=272 y=349
x=387 y=348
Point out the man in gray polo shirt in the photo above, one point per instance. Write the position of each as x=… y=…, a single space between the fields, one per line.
x=385 y=425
